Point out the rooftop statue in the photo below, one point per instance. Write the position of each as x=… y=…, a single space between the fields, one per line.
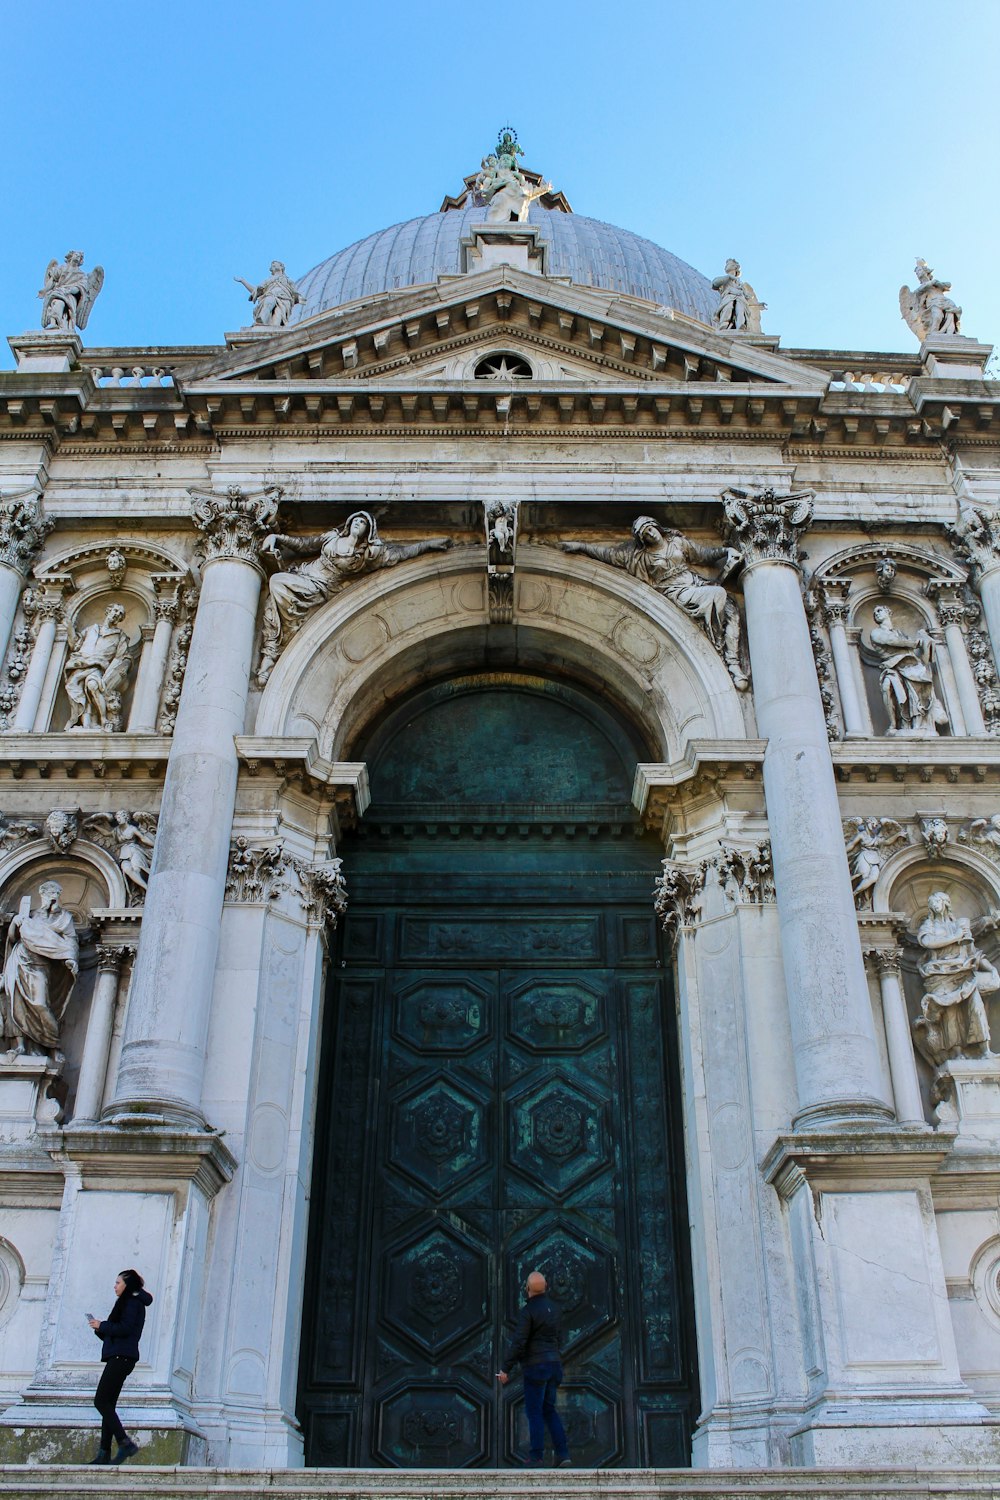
x=336 y=557
x=928 y=309
x=41 y=962
x=905 y=677
x=506 y=192
x=738 y=310
x=69 y=293
x=956 y=975
x=97 y=666
x=662 y=558
x=274 y=298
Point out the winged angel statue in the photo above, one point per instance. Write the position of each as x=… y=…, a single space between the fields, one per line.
x=130 y=837
x=928 y=310
x=868 y=842
x=69 y=293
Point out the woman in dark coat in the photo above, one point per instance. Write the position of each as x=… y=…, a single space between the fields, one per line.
x=119 y=1334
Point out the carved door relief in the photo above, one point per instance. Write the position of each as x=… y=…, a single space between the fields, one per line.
x=498 y=1095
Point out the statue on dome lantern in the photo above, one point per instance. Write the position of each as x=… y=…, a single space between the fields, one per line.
x=738 y=310
x=274 y=298
x=505 y=191
x=928 y=310
x=69 y=293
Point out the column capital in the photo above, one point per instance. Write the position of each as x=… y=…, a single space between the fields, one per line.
x=235 y=524
x=765 y=527
x=954 y=607
x=109 y=959
x=882 y=960
x=976 y=535
x=23 y=528
x=834 y=596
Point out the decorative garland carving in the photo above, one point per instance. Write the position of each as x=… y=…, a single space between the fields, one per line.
x=823 y=657
x=174 y=676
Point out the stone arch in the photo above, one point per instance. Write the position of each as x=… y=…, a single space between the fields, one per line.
x=38 y=858
x=911 y=869
x=574 y=616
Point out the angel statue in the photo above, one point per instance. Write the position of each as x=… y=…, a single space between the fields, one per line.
x=661 y=557
x=905 y=676
x=928 y=310
x=868 y=843
x=69 y=293
x=956 y=974
x=41 y=962
x=274 y=299
x=336 y=557
x=132 y=836
x=738 y=310
x=97 y=666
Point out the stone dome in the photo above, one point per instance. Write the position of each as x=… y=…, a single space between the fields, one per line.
x=586 y=250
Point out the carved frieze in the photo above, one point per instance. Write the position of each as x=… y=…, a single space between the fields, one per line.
x=235 y=525
x=766 y=527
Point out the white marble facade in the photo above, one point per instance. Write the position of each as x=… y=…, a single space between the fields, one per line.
x=846 y=1237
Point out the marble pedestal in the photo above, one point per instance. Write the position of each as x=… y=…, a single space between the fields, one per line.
x=25 y=1100
x=969 y=1090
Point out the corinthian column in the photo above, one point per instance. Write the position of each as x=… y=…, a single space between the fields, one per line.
x=163 y=1054
x=23 y=528
x=836 y=1058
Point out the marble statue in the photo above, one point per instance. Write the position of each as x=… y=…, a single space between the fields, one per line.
x=956 y=974
x=662 y=557
x=868 y=843
x=274 y=298
x=69 y=293
x=62 y=827
x=928 y=310
x=336 y=557
x=506 y=192
x=905 y=677
x=738 y=310
x=41 y=962
x=97 y=666
x=131 y=837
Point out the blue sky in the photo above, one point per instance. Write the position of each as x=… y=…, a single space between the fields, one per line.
x=823 y=144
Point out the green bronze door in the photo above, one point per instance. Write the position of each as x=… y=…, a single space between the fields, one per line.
x=498 y=1094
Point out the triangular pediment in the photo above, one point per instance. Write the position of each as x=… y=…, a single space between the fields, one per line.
x=441 y=331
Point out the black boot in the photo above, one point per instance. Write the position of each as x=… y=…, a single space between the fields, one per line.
x=125 y=1450
x=102 y=1456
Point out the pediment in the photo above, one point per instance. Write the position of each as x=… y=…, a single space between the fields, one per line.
x=564 y=333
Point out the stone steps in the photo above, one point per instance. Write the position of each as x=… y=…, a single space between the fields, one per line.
x=32 y=1482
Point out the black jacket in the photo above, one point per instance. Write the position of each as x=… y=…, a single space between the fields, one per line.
x=538 y=1335
x=121 y=1335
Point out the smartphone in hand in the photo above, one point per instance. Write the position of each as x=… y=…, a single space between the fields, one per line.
x=88 y=1316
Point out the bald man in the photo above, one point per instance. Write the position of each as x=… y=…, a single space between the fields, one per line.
x=536 y=1345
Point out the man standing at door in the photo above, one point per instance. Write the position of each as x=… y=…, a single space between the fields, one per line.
x=536 y=1345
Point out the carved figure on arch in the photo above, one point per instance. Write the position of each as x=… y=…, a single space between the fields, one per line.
x=335 y=558
x=905 y=677
x=274 y=298
x=69 y=293
x=956 y=974
x=928 y=310
x=983 y=831
x=738 y=310
x=869 y=841
x=41 y=962
x=131 y=837
x=662 y=558
x=97 y=666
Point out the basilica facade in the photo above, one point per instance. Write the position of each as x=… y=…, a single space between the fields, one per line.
x=500 y=770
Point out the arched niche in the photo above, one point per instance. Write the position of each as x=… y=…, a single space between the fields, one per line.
x=972 y=883
x=574 y=618
x=90 y=880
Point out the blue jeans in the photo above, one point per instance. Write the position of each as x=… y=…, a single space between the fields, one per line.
x=540 y=1385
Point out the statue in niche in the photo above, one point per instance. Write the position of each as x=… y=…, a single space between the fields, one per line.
x=41 y=962
x=97 y=666
x=662 y=558
x=905 y=677
x=928 y=310
x=868 y=843
x=69 y=293
x=738 y=310
x=337 y=557
x=274 y=298
x=956 y=974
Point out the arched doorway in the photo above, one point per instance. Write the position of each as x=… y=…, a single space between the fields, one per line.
x=498 y=1092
